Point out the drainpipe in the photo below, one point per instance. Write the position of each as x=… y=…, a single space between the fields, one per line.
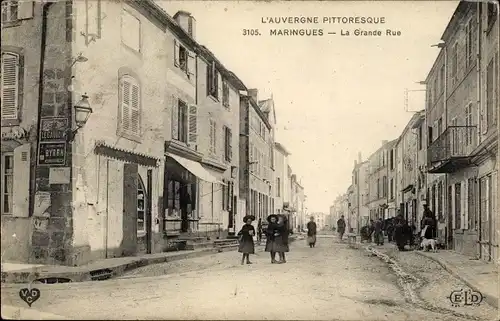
x=43 y=45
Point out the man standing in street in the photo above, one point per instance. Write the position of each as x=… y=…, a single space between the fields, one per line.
x=341 y=226
x=311 y=233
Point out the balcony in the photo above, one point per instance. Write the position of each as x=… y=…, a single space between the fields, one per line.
x=452 y=150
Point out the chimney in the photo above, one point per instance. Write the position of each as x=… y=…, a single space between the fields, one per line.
x=360 y=160
x=187 y=22
x=254 y=93
x=384 y=142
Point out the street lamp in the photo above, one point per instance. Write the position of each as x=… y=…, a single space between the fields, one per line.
x=82 y=114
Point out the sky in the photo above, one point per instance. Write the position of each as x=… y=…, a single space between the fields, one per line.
x=334 y=95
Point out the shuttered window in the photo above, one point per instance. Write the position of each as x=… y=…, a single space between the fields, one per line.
x=213 y=137
x=130 y=106
x=193 y=126
x=10 y=10
x=7 y=183
x=228 y=149
x=225 y=94
x=10 y=86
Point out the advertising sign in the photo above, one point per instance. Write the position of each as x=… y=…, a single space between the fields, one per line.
x=52 y=153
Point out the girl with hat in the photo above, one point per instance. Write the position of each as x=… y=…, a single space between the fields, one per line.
x=274 y=240
x=246 y=234
x=283 y=225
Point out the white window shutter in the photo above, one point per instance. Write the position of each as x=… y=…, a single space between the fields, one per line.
x=191 y=64
x=193 y=126
x=21 y=188
x=25 y=9
x=135 y=109
x=215 y=137
x=126 y=104
x=175 y=118
x=211 y=146
x=220 y=86
x=176 y=53
x=10 y=86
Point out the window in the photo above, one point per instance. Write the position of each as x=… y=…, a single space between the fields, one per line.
x=469 y=34
x=454 y=64
x=441 y=79
x=391 y=160
x=378 y=188
x=182 y=121
x=435 y=88
x=131 y=31
x=471 y=205
x=228 y=148
x=420 y=138
x=490 y=102
x=213 y=138
x=384 y=186
x=7 y=183
x=439 y=126
x=225 y=94
x=278 y=187
x=212 y=81
x=11 y=73
x=184 y=60
x=141 y=207
x=93 y=19
x=492 y=15
x=468 y=123
x=429 y=136
x=130 y=106
x=10 y=10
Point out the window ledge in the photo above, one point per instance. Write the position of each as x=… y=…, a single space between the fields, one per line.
x=133 y=137
x=141 y=234
x=11 y=24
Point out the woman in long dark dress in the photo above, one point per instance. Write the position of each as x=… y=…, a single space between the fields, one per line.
x=274 y=242
x=284 y=233
x=246 y=234
x=399 y=233
x=311 y=233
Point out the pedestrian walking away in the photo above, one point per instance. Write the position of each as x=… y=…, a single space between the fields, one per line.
x=274 y=239
x=311 y=233
x=283 y=225
x=341 y=227
x=259 y=231
x=246 y=245
x=378 y=234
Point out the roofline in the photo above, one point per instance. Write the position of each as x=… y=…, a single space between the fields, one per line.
x=416 y=116
x=199 y=49
x=257 y=109
x=282 y=148
x=452 y=22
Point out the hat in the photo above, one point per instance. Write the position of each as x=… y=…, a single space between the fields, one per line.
x=272 y=215
x=245 y=219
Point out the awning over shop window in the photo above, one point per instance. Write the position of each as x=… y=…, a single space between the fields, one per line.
x=195 y=168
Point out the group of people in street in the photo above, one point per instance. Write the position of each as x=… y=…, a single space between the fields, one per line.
x=276 y=233
x=399 y=230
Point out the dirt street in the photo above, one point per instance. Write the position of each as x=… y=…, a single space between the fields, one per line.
x=329 y=282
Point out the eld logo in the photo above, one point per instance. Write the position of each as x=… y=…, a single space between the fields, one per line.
x=29 y=295
x=460 y=298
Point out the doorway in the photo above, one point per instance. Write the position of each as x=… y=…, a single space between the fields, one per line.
x=485 y=226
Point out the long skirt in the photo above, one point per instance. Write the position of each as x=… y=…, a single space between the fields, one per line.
x=276 y=245
x=246 y=247
x=311 y=239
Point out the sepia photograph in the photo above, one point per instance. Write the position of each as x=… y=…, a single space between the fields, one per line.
x=250 y=160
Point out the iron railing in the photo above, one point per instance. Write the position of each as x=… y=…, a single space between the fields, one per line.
x=454 y=142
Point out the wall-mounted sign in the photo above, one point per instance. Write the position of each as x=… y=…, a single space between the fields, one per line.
x=53 y=128
x=52 y=153
x=59 y=175
x=42 y=204
x=14 y=133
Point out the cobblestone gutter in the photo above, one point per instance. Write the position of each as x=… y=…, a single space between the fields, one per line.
x=410 y=285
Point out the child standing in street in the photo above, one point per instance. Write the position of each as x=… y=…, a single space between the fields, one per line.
x=246 y=234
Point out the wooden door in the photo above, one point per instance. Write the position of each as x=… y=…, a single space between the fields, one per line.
x=484 y=218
